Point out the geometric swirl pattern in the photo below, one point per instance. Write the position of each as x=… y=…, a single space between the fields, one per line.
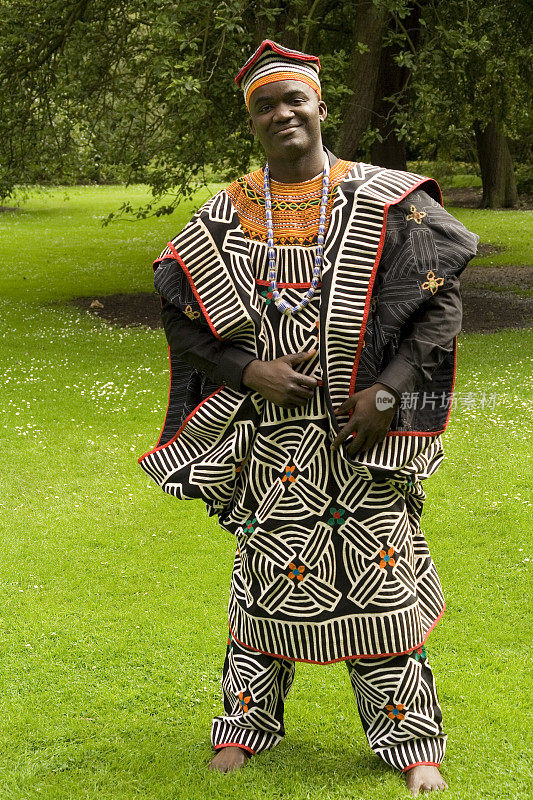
x=270 y=569
x=254 y=689
x=398 y=704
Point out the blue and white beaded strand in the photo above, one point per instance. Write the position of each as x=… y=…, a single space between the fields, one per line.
x=282 y=305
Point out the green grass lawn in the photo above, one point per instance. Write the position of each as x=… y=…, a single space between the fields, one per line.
x=113 y=595
x=512 y=230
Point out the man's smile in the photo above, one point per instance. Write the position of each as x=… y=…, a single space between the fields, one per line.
x=286 y=129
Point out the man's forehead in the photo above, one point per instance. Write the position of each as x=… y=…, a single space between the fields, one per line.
x=280 y=90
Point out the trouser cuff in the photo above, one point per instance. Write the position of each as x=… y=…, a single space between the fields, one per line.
x=224 y=734
x=421 y=764
x=410 y=754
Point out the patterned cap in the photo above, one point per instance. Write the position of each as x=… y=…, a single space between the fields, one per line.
x=272 y=62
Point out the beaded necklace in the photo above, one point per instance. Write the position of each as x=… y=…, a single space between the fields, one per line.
x=282 y=305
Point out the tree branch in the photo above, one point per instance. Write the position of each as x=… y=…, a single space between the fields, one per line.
x=77 y=13
x=308 y=23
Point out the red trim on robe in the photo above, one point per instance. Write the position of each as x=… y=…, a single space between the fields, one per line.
x=233 y=744
x=421 y=764
x=367 y=307
x=188 y=275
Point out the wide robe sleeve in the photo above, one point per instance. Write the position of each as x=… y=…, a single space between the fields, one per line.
x=427 y=340
x=195 y=344
x=416 y=310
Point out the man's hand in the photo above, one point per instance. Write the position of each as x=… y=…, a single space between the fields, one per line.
x=278 y=380
x=370 y=420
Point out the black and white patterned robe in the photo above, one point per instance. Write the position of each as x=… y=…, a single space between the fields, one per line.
x=331 y=563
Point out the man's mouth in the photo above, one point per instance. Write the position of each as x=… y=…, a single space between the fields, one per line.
x=287 y=129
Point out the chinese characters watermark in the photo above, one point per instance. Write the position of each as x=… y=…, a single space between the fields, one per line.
x=412 y=401
x=433 y=400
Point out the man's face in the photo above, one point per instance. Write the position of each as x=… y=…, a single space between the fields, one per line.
x=285 y=116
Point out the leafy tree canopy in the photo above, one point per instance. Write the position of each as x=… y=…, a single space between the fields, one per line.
x=143 y=89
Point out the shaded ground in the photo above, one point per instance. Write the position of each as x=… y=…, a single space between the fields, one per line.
x=493 y=297
x=470 y=197
x=487 y=249
x=491 y=301
x=125 y=309
x=498 y=279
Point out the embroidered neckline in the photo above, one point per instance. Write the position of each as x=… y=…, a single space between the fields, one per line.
x=296 y=206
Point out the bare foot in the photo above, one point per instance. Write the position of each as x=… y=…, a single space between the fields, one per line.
x=228 y=759
x=424 y=778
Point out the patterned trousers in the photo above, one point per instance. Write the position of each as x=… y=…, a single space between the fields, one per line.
x=396 y=699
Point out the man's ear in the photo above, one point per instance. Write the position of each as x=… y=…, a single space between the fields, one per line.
x=322 y=110
x=252 y=126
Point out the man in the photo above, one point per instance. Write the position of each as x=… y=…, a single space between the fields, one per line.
x=311 y=310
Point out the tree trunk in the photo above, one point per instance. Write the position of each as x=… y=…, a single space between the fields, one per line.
x=392 y=94
x=390 y=152
x=369 y=28
x=496 y=164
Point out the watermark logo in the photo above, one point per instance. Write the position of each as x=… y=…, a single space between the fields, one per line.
x=384 y=400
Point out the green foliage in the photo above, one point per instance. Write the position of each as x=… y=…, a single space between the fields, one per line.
x=473 y=66
x=524 y=178
x=142 y=90
x=126 y=83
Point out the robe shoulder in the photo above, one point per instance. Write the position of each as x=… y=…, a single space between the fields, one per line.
x=422 y=225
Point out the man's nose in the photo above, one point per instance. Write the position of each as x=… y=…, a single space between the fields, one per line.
x=282 y=113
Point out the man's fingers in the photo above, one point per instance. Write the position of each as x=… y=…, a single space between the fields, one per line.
x=342 y=435
x=346 y=406
x=306 y=382
x=362 y=438
x=300 y=380
x=301 y=393
x=297 y=358
x=360 y=442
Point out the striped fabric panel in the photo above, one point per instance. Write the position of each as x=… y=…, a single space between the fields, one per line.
x=406 y=455
x=297 y=262
x=430 y=596
x=216 y=274
x=219 y=208
x=388 y=186
x=350 y=289
x=352 y=272
x=214 y=286
x=365 y=635
x=354 y=266
x=210 y=422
